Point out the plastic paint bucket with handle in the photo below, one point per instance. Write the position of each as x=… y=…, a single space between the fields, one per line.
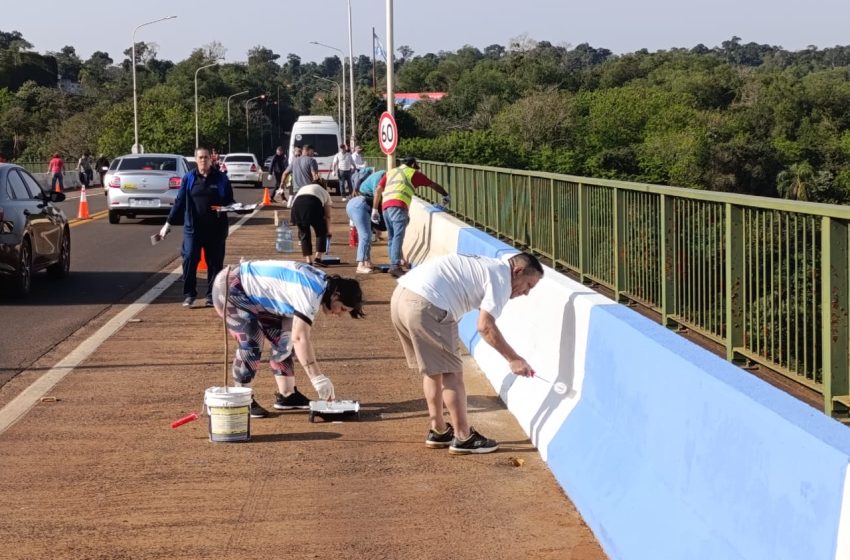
x=229 y=409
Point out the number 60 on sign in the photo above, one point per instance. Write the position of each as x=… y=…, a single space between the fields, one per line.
x=387 y=133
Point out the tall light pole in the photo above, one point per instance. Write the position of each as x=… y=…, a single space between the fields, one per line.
x=390 y=94
x=197 y=143
x=228 y=116
x=135 y=102
x=351 y=80
x=247 y=121
x=344 y=129
x=339 y=99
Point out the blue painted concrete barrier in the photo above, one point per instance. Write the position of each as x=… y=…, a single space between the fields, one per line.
x=667 y=450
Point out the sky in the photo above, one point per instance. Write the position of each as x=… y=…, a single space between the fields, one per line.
x=288 y=26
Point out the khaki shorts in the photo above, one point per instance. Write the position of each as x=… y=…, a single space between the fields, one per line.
x=428 y=335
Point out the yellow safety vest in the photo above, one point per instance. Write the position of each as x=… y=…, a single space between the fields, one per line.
x=399 y=185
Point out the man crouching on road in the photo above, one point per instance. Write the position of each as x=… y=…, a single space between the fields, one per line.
x=425 y=309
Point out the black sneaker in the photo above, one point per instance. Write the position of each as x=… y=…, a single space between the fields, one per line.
x=396 y=271
x=208 y=302
x=258 y=411
x=475 y=443
x=294 y=401
x=436 y=440
x=188 y=301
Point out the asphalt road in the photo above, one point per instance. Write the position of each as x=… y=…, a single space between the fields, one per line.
x=109 y=265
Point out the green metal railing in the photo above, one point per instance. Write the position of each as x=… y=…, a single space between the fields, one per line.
x=765 y=278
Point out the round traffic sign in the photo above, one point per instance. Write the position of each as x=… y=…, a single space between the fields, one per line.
x=387 y=133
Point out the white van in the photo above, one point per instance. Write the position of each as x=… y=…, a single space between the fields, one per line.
x=322 y=133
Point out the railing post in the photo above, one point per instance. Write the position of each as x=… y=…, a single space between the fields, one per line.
x=619 y=243
x=529 y=219
x=835 y=327
x=553 y=218
x=666 y=254
x=583 y=233
x=734 y=249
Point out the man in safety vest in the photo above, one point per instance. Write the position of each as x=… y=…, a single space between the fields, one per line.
x=392 y=197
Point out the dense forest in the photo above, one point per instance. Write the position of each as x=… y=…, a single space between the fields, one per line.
x=739 y=117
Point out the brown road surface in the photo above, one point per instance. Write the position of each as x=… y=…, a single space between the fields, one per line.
x=98 y=473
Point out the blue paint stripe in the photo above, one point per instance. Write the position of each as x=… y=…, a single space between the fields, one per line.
x=470 y=241
x=280 y=307
x=286 y=275
x=468 y=330
x=666 y=431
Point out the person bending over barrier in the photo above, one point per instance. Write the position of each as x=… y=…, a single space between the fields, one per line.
x=425 y=309
x=278 y=300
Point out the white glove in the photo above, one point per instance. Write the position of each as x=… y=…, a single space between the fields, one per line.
x=447 y=200
x=165 y=229
x=323 y=387
x=269 y=177
x=376 y=216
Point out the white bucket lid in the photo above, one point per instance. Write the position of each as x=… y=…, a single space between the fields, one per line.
x=228 y=396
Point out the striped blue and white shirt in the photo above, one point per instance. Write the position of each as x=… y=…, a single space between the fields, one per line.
x=284 y=288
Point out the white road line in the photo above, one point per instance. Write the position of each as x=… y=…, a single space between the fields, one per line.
x=21 y=404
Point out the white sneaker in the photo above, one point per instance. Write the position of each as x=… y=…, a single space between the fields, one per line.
x=363 y=269
x=345 y=198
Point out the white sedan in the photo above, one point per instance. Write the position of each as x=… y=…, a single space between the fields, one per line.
x=143 y=184
x=243 y=168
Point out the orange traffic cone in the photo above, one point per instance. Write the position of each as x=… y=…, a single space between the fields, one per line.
x=83 y=213
x=202 y=265
x=56 y=185
x=266 y=198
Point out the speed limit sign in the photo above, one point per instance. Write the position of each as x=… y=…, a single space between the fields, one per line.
x=387 y=133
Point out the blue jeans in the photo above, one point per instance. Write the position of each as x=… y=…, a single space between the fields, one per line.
x=360 y=211
x=397 y=219
x=60 y=177
x=345 y=179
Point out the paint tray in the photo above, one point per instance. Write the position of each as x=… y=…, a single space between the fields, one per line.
x=334 y=410
x=327 y=258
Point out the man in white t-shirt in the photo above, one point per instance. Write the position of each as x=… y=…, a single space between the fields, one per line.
x=426 y=307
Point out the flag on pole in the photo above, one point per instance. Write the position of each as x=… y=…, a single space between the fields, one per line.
x=379 y=48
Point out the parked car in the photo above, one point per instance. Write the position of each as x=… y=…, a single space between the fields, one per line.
x=143 y=184
x=243 y=168
x=34 y=232
x=267 y=165
x=191 y=163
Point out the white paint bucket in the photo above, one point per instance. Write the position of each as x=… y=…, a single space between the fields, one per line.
x=229 y=410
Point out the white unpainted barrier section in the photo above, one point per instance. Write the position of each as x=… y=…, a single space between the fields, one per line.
x=70 y=179
x=426 y=237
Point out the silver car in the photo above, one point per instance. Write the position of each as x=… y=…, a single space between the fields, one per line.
x=243 y=168
x=143 y=184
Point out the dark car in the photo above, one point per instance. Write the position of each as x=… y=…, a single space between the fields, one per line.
x=267 y=164
x=34 y=233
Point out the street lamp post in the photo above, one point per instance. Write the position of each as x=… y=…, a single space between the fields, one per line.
x=339 y=99
x=135 y=102
x=344 y=129
x=228 y=116
x=247 y=121
x=197 y=142
x=351 y=79
x=390 y=93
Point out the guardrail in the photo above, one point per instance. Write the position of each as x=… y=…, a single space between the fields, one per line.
x=766 y=278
